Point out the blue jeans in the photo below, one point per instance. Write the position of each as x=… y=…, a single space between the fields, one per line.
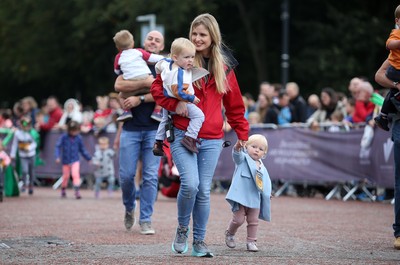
x=196 y=117
x=396 y=150
x=28 y=170
x=196 y=172
x=135 y=144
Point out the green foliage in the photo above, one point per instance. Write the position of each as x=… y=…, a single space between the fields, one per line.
x=65 y=48
x=341 y=41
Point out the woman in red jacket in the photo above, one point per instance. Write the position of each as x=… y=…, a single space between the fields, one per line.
x=218 y=88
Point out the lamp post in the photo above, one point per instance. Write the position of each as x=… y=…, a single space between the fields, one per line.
x=150 y=24
x=285 y=15
x=150 y=18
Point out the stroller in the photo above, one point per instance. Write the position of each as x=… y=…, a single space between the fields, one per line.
x=169 y=181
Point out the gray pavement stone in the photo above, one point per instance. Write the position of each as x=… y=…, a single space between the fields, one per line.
x=45 y=229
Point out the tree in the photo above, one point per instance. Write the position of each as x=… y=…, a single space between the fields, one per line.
x=65 y=48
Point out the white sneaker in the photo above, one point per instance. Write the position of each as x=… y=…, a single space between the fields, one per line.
x=251 y=246
x=229 y=239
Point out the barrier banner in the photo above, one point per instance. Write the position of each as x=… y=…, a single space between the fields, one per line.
x=382 y=159
x=54 y=170
x=295 y=154
x=299 y=154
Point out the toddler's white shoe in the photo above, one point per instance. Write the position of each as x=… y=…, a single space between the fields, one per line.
x=251 y=246
x=229 y=240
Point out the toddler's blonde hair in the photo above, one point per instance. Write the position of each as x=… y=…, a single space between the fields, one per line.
x=259 y=139
x=397 y=12
x=123 y=40
x=181 y=44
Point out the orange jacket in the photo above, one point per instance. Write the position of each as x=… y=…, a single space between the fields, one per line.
x=394 y=55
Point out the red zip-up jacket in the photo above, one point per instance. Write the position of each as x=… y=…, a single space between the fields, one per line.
x=54 y=118
x=362 y=110
x=211 y=105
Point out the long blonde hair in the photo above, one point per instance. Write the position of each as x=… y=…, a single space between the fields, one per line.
x=217 y=62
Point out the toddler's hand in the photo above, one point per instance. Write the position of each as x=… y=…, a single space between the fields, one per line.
x=238 y=146
x=58 y=161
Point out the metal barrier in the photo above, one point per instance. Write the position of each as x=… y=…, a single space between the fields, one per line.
x=296 y=155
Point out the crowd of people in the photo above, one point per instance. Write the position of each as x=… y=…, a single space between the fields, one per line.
x=215 y=96
x=274 y=105
x=331 y=110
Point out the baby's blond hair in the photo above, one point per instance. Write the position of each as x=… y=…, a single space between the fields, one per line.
x=397 y=12
x=103 y=140
x=123 y=40
x=181 y=44
x=259 y=139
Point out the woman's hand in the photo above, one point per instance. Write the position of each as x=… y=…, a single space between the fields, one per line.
x=196 y=100
x=181 y=109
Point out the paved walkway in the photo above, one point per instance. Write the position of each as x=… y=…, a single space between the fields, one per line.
x=44 y=229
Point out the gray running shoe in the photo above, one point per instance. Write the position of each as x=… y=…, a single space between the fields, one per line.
x=129 y=220
x=127 y=115
x=200 y=249
x=180 y=244
x=146 y=229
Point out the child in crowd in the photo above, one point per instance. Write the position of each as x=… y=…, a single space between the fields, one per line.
x=87 y=120
x=103 y=159
x=177 y=75
x=24 y=145
x=115 y=105
x=132 y=64
x=5 y=118
x=72 y=112
x=5 y=160
x=350 y=108
x=337 y=118
x=68 y=147
x=391 y=103
x=254 y=118
x=250 y=191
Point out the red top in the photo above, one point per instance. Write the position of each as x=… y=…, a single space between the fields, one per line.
x=362 y=110
x=54 y=118
x=102 y=113
x=211 y=105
